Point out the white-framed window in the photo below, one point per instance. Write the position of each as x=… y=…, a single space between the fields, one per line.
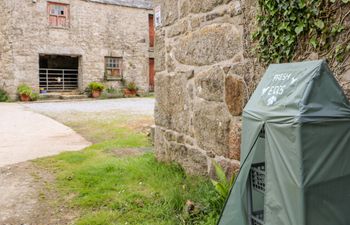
x=113 y=67
x=58 y=14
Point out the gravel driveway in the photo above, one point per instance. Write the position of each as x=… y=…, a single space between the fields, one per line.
x=26 y=135
x=144 y=106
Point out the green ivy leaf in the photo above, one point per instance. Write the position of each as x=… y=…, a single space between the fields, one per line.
x=299 y=29
x=346 y=1
x=284 y=26
x=337 y=29
x=319 y=23
x=338 y=49
x=333 y=1
x=302 y=4
x=348 y=47
x=288 y=52
x=313 y=42
x=255 y=35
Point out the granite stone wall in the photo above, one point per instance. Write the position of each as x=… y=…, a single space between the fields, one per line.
x=203 y=81
x=96 y=30
x=206 y=72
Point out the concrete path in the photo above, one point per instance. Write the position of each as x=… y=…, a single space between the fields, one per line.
x=25 y=135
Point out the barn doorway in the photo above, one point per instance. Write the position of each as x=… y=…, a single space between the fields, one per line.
x=58 y=73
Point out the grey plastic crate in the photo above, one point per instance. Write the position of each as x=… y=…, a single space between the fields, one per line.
x=257 y=218
x=257 y=177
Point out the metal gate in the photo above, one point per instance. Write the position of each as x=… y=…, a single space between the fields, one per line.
x=58 y=80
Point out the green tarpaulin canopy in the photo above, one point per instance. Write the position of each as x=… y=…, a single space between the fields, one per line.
x=295 y=152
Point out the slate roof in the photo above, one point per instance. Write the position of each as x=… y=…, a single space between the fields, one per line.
x=143 y=4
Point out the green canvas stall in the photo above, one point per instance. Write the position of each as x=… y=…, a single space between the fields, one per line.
x=295 y=151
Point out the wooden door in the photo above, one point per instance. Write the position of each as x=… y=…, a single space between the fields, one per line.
x=151 y=74
x=151 y=31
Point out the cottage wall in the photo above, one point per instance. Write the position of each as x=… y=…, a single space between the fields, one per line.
x=202 y=83
x=6 y=36
x=96 y=30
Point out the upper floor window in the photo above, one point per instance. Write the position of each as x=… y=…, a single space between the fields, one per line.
x=58 y=14
x=113 y=66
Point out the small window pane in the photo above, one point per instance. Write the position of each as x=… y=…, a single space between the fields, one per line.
x=57 y=10
x=113 y=65
x=60 y=11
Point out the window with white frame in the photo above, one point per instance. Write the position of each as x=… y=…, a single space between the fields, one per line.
x=58 y=14
x=113 y=66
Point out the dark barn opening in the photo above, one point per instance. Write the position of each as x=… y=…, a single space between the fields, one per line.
x=58 y=73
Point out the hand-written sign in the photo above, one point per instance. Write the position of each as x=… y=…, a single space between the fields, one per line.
x=158 y=16
x=277 y=87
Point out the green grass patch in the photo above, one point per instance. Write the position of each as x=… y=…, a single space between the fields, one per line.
x=119 y=130
x=131 y=190
x=107 y=189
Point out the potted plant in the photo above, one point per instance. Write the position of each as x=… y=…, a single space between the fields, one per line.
x=43 y=91
x=3 y=96
x=24 y=92
x=130 y=90
x=96 y=89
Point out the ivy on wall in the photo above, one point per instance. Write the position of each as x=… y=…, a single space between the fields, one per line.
x=291 y=30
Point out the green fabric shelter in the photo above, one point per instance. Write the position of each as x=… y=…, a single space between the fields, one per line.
x=297 y=123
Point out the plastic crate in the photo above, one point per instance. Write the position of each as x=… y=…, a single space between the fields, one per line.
x=258 y=218
x=257 y=176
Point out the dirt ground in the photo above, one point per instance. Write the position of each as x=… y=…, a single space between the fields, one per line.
x=27 y=198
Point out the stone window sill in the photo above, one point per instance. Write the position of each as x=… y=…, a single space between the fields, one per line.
x=58 y=28
x=113 y=78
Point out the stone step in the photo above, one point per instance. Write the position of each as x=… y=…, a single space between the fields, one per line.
x=62 y=96
x=72 y=97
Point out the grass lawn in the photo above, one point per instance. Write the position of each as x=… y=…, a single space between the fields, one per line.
x=114 y=182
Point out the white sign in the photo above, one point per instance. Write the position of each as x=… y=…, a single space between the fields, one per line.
x=278 y=85
x=158 y=16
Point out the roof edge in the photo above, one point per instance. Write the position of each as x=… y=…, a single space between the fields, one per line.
x=318 y=61
x=139 y=4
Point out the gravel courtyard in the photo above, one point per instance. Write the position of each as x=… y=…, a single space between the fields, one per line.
x=28 y=131
x=144 y=106
x=27 y=135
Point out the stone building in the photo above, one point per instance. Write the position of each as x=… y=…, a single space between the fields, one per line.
x=200 y=88
x=205 y=74
x=62 y=45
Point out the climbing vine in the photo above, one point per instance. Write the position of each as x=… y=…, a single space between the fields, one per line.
x=292 y=30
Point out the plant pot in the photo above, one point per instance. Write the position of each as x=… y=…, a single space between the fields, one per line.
x=129 y=93
x=96 y=93
x=24 y=98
